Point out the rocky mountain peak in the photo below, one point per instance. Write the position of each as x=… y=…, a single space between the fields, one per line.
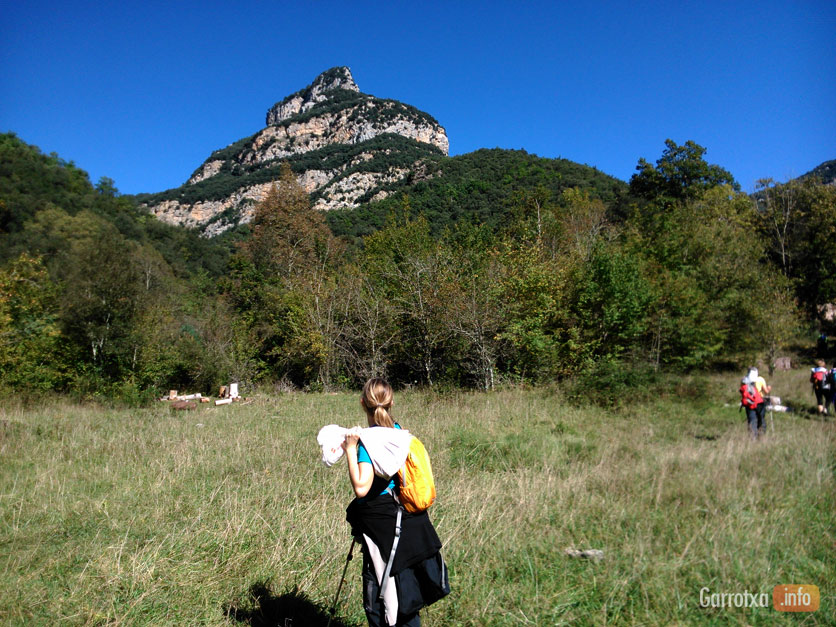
x=345 y=147
x=315 y=93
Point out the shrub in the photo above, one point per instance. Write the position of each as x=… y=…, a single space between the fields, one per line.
x=610 y=383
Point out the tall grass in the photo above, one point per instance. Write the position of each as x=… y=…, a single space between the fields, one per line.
x=217 y=516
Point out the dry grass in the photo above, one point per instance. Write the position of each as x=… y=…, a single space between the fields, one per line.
x=113 y=517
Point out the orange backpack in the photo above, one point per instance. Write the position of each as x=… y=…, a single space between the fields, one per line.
x=417 y=490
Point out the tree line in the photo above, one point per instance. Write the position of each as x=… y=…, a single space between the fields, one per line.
x=681 y=272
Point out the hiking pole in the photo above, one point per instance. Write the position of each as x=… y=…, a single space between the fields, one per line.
x=342 y=579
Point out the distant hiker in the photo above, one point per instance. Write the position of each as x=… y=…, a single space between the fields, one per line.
x=750 y=399
x=400 y=549
x=764 y=390
x=821 y=345
x=821 y=387
x=830 y=392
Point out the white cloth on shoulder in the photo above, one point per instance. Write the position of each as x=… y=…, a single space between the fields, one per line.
x=330 y=440
x=387 y=447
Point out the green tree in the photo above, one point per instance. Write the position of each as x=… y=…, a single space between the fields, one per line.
x=797 y=220
x=818 y=263
x=611 y=301
x=775 y=323
x=708 y=266
x=281 y=285
x=31 y=355
x=100 y=299
x=811 y=244
x=476 y=304
x=107 y=187
x=780 y=217
x=542 y=341
x=411 y=268
x=680 y=173
x=367 y=323
x=582 y=222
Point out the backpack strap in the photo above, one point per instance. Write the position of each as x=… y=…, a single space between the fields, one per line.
x=385 y=581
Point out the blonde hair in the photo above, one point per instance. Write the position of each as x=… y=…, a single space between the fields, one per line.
x=377 y=400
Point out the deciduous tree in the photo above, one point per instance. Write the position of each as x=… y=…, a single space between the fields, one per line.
x=31 y=356
x=411 y=269
x=680 y=173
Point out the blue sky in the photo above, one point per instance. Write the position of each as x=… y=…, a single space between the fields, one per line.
x=142 y=92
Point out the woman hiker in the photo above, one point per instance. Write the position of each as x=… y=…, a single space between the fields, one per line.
x=821 y=387
x=750 y=399
x=374 y=515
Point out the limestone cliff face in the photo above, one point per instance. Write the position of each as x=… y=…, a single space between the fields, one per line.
x=348 y=126
x=345 y=147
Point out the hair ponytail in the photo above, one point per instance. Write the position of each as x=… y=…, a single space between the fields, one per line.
x=377 y=400
x=383 y=418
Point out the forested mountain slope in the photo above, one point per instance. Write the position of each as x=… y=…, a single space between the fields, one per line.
x=824 y=172
x=43 y=198
x=481 y=187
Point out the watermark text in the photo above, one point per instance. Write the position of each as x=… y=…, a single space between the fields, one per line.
x=732 y=599
x=785 y=598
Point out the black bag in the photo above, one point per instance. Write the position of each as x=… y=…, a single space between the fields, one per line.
x=421 y=585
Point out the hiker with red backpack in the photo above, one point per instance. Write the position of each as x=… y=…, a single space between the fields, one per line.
x=750 y=400
x=402 y=566
x=821 y=386
x=763 y=389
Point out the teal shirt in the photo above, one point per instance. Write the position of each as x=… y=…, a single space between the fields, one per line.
x=379 y=484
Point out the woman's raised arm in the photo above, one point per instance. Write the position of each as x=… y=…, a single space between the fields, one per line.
x=361 y=474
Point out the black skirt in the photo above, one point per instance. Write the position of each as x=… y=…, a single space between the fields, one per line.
x=376 y=518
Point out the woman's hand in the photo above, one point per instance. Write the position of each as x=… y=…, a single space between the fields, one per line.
x=350 y=442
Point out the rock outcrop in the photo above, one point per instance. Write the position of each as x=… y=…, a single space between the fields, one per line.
x=344 y=146
x=316 y=92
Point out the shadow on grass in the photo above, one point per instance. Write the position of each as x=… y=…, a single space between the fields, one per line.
x=291 y=609
x=812 y=414
x=706 y=437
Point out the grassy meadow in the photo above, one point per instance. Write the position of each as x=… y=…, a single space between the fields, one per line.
x=226 y=516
